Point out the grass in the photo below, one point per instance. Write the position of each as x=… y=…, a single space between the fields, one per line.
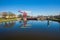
x=55 y=19
x=6 y=20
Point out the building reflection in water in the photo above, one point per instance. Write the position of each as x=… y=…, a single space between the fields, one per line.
x=7 y=24
x=1 y=25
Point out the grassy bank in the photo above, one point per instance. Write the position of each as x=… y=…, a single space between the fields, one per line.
x=55 y=19
x=6 y=20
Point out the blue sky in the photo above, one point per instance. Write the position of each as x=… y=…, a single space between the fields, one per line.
x=37 y=7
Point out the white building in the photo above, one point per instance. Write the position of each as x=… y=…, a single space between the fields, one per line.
x=1 y=15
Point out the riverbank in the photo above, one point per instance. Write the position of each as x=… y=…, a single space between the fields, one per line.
x=58 y=20
x=7 y=20
x=14 y=19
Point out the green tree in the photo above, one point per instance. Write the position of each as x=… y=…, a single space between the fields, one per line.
x=20 y=16
x=4 y=14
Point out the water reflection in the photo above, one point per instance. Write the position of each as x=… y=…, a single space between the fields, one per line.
x=9 y=24
x=25 y=25
x=48 y=23
x=1 y=25
x=59 y=25
x=31 y=27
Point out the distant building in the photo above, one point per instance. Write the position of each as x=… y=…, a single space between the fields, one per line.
x=41 y=18
x=0 y=15
x=7 y=15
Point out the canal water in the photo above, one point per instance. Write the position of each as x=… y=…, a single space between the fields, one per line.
x=30 y=30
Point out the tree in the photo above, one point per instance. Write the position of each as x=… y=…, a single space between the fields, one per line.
x=20 y=16
x=4 y=14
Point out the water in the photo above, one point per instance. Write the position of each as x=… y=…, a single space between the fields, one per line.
x=31 y=29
